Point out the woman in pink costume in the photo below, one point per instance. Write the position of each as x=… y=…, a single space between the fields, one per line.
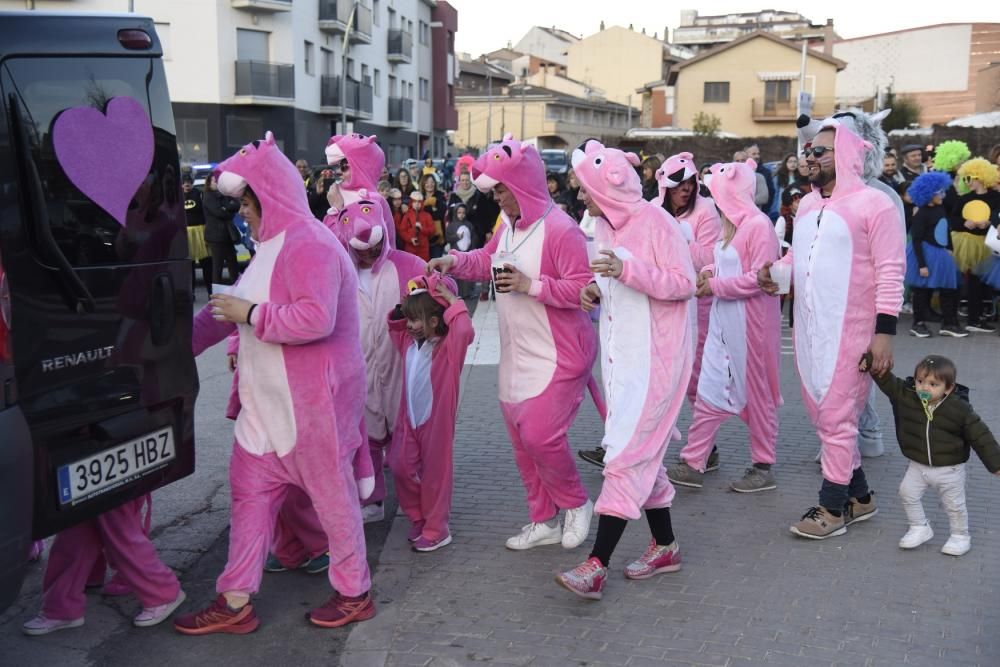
x=361 y=162
x=301 y=384
x=741 y=362
x=847 y=262
x=547 y=344
x=644 y=282
x=431 y=331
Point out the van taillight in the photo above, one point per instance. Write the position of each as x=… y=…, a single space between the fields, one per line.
x=137 y=40
x=6 y=355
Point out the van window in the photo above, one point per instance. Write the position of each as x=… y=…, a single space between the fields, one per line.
x=86 y=234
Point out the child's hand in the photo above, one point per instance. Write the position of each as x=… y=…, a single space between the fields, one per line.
x=231 y=361
x=397 y=313
x=442 y=291
x=924 y=272
x=865 y=365
x=590 y=296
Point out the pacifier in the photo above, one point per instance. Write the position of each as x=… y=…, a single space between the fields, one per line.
x=924 y=395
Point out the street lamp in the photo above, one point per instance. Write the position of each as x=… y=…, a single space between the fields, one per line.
x=343 y=68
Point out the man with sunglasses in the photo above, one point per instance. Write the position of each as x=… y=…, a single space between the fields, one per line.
x=847 y=260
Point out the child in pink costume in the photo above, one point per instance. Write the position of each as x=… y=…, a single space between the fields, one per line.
x=547 y=344
x=702 y=219
x=383 y=273
x=365 y=161
x=644 y=280
x=301 y=383
x=119 y=536
x=741 y=361
x=433 y=349
x=847 y=260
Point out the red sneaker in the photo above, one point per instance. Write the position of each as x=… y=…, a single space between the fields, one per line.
x=341 y=610
x=218 y=617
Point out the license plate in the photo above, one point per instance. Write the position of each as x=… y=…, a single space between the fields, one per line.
x=111 y=468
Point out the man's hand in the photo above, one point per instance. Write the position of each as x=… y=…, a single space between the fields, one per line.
x=881 y=351
x=228 y=308
x=442 y=291
x=512 y=280
x=764 y=280
x=609 y=266
x=702 y=286
x=590 y=296
x=924 y=272
x=335 y=198
x=440 y=264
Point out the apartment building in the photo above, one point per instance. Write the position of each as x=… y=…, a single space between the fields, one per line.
x=705 y=32
x=237 y=68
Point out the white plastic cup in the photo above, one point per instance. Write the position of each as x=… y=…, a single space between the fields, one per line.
x=782 y=274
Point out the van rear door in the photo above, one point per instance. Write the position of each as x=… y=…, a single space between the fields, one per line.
x=100 y=308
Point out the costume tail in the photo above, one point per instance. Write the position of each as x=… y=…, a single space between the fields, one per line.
x=595 y=393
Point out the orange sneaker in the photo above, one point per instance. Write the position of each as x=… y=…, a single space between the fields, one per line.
x=341 y=610
x=218 y=618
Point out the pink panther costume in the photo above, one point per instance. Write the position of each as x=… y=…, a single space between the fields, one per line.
x=366 y=160
x=547 y=344
x=847 y=263
x=301 y=377
x=701 y=228
x=647 y=349
x=740 y=373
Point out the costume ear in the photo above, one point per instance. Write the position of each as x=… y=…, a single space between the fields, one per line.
x=730 y=171
x=508 y=137
x=868 y=145
x=615 y=176
x=633 y=159
x=686 y=155
x=370 y=139
x=592 y=146
x=880 y=116
x=524 y=148
x=269 y=137
x=363 y=193
x=752 y=164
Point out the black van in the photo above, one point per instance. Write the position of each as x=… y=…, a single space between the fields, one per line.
x=97 y=378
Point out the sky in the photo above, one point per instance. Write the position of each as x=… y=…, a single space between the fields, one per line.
x=487 y=25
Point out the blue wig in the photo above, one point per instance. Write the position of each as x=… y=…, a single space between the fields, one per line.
x=925 y=186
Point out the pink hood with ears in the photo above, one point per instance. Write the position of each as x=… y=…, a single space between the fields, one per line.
x=361 y=225
x=675 y=170
x=364 y=156
x=732 y=187
x=275 y=181
x=429 y=284
x=849 y=155
x=520 y=168
x=610 y=178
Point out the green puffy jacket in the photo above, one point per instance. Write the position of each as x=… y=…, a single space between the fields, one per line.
x=944 y=440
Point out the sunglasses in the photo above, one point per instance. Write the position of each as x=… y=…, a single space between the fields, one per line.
x=818 y=151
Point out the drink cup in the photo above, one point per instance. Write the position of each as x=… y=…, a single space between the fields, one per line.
x=782 y=275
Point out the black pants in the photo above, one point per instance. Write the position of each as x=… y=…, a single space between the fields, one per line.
x=224 y=253
x=976 y=292
x=206 y=274
x=921 y=299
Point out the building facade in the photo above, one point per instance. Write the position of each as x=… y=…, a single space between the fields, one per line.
x=548 y=44
x=752 y=85
x=938 y=66
x=237 y=68
x=705 y=32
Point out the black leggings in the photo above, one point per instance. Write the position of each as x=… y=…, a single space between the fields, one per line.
x=921 y=299
x=224 y=253
x=206 y=274
x=610 y=530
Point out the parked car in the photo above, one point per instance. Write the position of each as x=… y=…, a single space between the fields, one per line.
x=556 y=161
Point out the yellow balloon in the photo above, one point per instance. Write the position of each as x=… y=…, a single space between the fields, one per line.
x=976 y=211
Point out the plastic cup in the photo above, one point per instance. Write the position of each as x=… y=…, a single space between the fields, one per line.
x=782 y=275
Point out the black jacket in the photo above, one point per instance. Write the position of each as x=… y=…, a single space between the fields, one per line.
x=219 y=211
x=947 y=438
x=193 y=210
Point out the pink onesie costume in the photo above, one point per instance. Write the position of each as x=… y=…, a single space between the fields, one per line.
x=301 y=377
x=299 y=535
x=421 y=455
x=547 y=344
x=701 y=228
x=647 y=350
x=740 y=373
x=366 y=160
x=847 y=263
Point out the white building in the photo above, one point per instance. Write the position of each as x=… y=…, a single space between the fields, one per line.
x=236 y=68
x=549 y=44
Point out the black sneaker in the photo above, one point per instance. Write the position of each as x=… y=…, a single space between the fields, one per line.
x=920 y=330
x=594 y=456
x=979 y=327
x=953 y=330
x=713 y=461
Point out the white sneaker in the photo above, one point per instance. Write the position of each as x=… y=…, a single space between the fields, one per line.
x=576 y=527
x=957 y=545
x=916 y=536
x=150 y=616
x=535 y=535
x=372 y=513
x=43 y=625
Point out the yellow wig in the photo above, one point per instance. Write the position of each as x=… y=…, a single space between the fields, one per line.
x=981 y=170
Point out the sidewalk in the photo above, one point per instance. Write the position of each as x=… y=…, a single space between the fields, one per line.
x=750 y=592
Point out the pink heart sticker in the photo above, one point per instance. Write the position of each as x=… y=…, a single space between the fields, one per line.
x=106 y=155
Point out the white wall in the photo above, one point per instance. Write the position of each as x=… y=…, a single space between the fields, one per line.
x=541 y=44
x=934 y=59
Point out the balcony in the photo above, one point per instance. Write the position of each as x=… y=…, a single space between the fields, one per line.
x=359 y=97
x=400 y=49
x=260 y=82
x=270 y=6
x=334 y=15
x=400 y=112
x=766 y=110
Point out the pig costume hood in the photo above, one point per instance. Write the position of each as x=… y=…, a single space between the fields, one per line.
x=675 y=170
x=732 y=187
x=520 y=168
x=611 y=180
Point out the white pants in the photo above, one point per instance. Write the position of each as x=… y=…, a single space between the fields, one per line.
x=948 y=481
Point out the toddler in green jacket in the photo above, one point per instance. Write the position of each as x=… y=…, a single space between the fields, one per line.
x=936 y=427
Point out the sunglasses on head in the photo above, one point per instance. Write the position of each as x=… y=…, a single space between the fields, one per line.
x=818 y=151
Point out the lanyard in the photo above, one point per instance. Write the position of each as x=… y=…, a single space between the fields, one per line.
x=510 y=237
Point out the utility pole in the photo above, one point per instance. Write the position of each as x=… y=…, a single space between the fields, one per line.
x=503 y=120
x=524 y=86
x=489 y=105
x=468 y=140
x=345 y=45
x=629 y=112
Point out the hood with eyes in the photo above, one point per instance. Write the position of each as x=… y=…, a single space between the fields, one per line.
x=732 y=186
x=361 y=226
x=520 y=168
x=675 y=170
x=363 y=155
x=273 y=178
x=610 y=178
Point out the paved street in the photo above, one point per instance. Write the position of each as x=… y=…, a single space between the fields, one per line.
x=749 y=592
